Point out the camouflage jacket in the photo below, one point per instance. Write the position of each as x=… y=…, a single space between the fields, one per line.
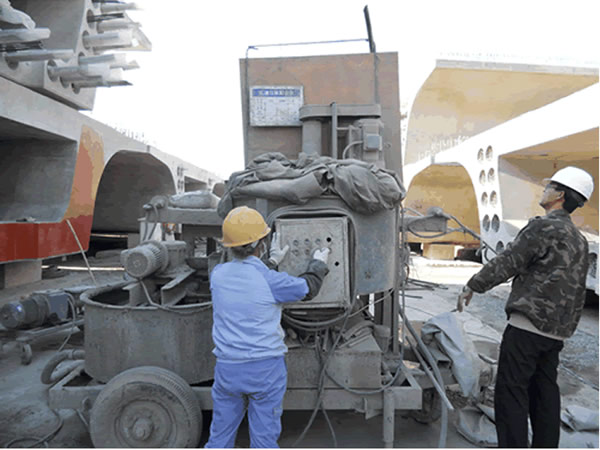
x=549 y=262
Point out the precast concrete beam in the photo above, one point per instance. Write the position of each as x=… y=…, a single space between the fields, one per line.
x=461 y=99
x=53 y=158
x=506 y=165
x=75 y=26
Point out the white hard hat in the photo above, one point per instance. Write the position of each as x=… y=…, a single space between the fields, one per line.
x=575 y=178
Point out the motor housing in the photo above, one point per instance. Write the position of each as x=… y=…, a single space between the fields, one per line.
x=36 y=310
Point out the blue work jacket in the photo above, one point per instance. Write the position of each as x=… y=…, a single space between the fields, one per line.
x=247 y=299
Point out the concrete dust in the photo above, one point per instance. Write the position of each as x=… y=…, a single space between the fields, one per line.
x=23 y=398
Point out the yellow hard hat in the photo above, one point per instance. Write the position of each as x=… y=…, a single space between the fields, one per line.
x=243 y=226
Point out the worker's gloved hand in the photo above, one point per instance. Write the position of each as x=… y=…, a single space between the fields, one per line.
x=465 y=296
x=322 y=254
x=315 y=272
x=276 y=253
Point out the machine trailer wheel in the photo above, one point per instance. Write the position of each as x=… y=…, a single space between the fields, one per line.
x=26 y=354
x=431 y=409
x=146 y=407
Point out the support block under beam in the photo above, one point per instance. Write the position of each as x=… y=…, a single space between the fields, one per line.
x=20 y=272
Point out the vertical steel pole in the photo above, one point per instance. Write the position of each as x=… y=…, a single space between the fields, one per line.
x=372 y=48
x=395 y=300
x=380 y=310
x=334 y=127
x=389 y=406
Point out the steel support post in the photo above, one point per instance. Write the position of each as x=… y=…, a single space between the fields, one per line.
x=395 y=299
x=380 y=311
x=389 y=408
x=334 y=131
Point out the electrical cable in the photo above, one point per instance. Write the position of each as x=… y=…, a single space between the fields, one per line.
x=84 y=405
x=306 y=325
x=291 y=211
x=83 y=419
x=430 y=236
x=320 y=387
x=369 y=392
x=438 y=375
x=475 y=235
x=368 y=305
x=42 y=440
x=428 y=284
x=330 y=425
x=417 y=213
x=421 y=310
x=82 y=252
x=304 y=211
x=285 y=44
x=462 y=228
x=412 y=296
x=347 y=148
x=207 y=305
x=73 y=320
x=309 y=325
x=428 y=372
x=321 y=382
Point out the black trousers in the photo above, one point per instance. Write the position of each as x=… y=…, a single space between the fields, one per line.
x=526 y=385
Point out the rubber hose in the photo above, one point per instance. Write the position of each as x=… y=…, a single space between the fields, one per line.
x=48 y=376
x=436 y=371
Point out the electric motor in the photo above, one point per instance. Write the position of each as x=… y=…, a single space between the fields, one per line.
x=36 y=310
x=145 y=259
x=154 y=257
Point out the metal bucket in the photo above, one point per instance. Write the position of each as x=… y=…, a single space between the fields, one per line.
x=119 y=337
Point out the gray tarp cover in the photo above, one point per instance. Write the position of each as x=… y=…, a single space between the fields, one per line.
x=579 y=418
x=364 y=187
x=477 y=425
x=447 y=332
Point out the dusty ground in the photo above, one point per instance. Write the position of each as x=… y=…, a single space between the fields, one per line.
x=24 y=411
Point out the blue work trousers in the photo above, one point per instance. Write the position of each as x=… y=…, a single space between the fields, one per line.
x=257 y=387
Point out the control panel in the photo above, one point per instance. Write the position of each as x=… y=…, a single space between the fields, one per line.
x=304 y=236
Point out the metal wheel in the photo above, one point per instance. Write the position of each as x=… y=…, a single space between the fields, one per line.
x=431 y=409
x=146 y=407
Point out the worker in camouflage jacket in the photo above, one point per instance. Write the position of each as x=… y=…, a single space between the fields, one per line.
x=548 y=262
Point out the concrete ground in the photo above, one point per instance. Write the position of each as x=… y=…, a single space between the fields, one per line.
x=24 y=411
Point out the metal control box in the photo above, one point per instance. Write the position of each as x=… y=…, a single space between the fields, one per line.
x=304 y=236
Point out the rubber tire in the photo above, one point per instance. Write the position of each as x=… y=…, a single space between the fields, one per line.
x=431 y=409
x=26 y=354
x=161 y=390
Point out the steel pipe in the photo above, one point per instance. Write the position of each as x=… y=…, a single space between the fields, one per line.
x=22 y=35
x=389 y=410
x=114 y=39
x=38 y=55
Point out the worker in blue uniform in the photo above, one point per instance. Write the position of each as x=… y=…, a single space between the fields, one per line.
x=247 y=296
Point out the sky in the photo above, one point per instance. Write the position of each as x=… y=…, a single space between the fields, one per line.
x=186 y=98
